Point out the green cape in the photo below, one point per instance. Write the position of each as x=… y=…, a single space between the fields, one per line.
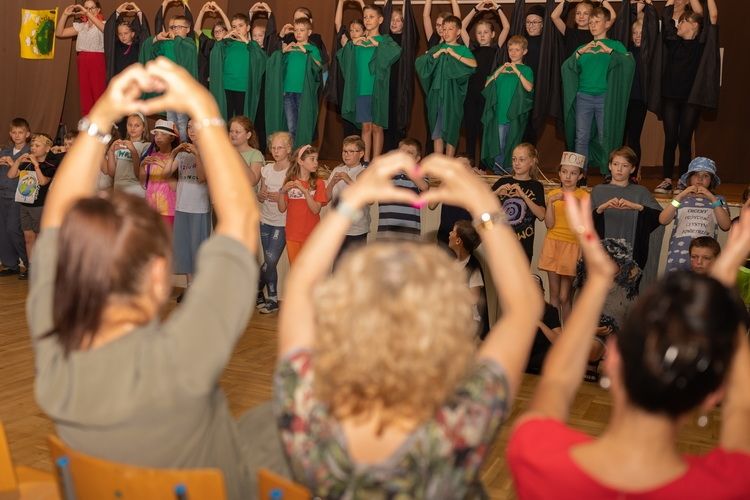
x=619 y=80
x=444 y=81
x=257 y=68
x=518 y=114
x=308 y=109
x=386 y=54
x=185 y=51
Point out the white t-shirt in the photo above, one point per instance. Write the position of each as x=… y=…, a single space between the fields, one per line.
x=192 y=195
x=273 y=180
x=89 y=38
x=362 y=226
x=125 y=178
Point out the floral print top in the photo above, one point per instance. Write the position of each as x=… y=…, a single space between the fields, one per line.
x=440 y=459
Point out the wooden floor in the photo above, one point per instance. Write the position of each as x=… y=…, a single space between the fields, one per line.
x=247 y=382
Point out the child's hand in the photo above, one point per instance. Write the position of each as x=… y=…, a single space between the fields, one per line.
x=601 y=45
x=702 y=192
x=438 y=53
x=372 y=41
x=555 y=197
x=286 y=29
x=74 y=9
x=174 y=82
x=287 y=47
x=6 y=160
x=376 y=184
x=503 y=191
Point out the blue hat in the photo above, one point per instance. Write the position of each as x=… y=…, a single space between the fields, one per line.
x=701 y=164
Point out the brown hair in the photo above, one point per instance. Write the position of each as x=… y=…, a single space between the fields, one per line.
x=247 y=124
x=105 y=246
x=303 y=21
x=453 y=20
x=20 y=123
x=308 y=12
x=241 y=17
x=625 y=152
x=705 y=242
x=354 y=140
x=298 y=155
x=410 y=141
x=467 y=234
x=518 y=40
x=487 y=23
x=601 y=12
x=375 y=8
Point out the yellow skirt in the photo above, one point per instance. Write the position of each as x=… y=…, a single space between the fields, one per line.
x=559 y=257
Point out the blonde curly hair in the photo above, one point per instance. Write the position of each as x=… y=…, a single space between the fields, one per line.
x=394 y=332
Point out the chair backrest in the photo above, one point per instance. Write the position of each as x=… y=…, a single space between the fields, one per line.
x=82 y=477
x=271 y=486
x=8 y=480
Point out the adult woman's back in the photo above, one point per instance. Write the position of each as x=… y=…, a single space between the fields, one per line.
x=118 y=382
x=683 y=345
x=379 y=391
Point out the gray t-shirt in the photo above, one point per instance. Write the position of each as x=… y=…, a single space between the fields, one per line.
x=151 y=397
x=621 y=224
x=362 y=226
x=192 y=195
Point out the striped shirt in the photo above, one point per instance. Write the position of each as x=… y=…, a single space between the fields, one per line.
x=399 y=221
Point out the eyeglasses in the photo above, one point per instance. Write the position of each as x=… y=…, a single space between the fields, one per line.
x=533 y=22
x=179 y=27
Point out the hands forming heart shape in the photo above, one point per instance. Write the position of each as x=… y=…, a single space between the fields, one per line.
x=124 y=94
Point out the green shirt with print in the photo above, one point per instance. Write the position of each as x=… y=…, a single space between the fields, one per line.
x=593 y=67
x=294 y=73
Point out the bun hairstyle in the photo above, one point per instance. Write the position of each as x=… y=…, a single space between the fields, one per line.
x=106 y=244
x=677 y=342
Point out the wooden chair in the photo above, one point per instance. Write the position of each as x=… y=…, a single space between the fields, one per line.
x=20 y=482
x=272 y=486
x=82 y=477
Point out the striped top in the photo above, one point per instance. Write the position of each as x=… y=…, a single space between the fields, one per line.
x=399 y=221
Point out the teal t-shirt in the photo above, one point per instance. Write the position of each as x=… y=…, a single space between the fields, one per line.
x=296 y=60
x=593 y=67
x=363 y=54
x=166 y=48
x=505 y=86
x=236 y=66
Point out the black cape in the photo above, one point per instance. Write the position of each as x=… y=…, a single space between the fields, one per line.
x=111 y=54
x=404 y=68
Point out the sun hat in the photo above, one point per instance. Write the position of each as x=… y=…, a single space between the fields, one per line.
x=701 y=164
x=165 y=126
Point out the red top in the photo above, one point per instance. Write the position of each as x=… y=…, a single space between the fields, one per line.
x=539 y=459
x=300 y=221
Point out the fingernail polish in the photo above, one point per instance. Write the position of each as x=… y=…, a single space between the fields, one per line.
x=589 y=236
x=418 y=204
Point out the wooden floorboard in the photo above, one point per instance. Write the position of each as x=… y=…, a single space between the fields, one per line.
x=247 y=382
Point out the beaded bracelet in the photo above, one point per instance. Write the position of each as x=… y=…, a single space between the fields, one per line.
x=209 y=122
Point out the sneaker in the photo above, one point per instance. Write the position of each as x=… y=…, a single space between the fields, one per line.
x=10 y=271
x=260 y=301
x=269 y=307
x=665 y=187
x=24 y=275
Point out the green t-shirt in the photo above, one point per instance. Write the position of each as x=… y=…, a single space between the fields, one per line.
x=166 y=48
x=294 y=73
x=363 y=54
x=593 y=67
x=236 y=66
x=252 y=156
x=505 y=86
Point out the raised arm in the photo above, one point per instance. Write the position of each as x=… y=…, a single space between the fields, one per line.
x=297 y=317
x=233 y=199
x=427 y=19
x=455 y=9
x=612 y=11
x=223 y=15
x=713 y=12
x=566 y=362
x=338 y=18
x=505 y=27
x=61 y=31
x=509 y=341
x=735 y=415
x=199 y=20
x=697 y=7
x=467 y=22
x=557 y=17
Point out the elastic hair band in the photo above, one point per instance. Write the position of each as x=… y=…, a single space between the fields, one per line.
x=302 y=151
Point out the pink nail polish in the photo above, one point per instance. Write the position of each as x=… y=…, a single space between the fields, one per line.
x=419 y=204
